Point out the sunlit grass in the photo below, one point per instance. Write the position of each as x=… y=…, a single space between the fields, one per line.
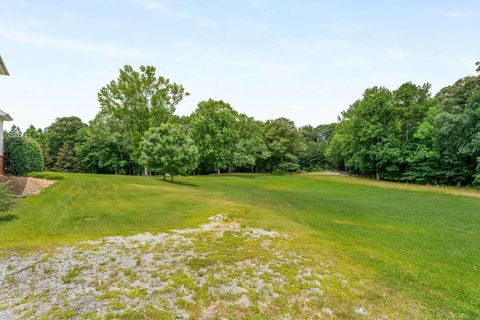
x=421 y=242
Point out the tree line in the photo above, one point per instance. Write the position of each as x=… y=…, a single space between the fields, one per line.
x=402 y=135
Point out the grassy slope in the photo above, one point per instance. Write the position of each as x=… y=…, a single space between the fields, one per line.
x=421 y=242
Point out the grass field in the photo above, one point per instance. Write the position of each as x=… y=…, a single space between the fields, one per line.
x=405 y=251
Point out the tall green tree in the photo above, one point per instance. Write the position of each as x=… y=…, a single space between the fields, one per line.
x=104 y=147
x=214 y=128
x=169 y=149
x=369 y=145
x=457 y=130
x=39 y=136
x=63 y=132
x=424 y=161
x=36 y=134
x=140 y=100
x=376 y=135
x=285 y=144
x=250 y=146
x=316 y=140
x=15 y=131
x=67 y=160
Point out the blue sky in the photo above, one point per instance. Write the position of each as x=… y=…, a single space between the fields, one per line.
x=305 y=60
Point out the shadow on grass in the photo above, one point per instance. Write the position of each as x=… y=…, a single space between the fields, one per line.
x=230 y=175
x=8 y=218
x=180 y=183
x=244 y=175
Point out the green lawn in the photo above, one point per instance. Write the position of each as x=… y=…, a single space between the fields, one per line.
x=420 y=242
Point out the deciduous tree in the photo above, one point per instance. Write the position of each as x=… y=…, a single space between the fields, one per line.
x=214 y=131
x=168 y=149
x=285 y=144
x=63 y=132
x=140 y=100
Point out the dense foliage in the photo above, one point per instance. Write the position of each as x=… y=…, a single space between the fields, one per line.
x=227 y=140
x=23 y=154
x=404 y=135
x=408 y=135
x=61 y=136
x=136 y=102
x=376 y=134
x=169 y=149
x=285 y=144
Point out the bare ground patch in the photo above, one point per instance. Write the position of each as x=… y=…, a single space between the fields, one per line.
x=218 y=270
x=26 y=186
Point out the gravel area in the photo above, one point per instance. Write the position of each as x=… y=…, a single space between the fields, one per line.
x=219 y=269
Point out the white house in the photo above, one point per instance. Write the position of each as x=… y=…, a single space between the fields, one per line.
x=3 y=117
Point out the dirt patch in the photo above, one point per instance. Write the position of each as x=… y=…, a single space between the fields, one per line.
x=210 y=272
x=26 y=186
x=333 y=173
x=219 y=270
x=326 y=172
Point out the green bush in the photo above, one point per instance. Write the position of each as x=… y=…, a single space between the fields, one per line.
x=23 y=155
x=46 y=175
x=6 y=199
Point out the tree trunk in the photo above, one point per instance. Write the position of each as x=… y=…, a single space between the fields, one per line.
x=218 y=170
x=145 y=171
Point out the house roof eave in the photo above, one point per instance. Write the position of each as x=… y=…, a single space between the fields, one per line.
x=3 y=68
x=5 y=116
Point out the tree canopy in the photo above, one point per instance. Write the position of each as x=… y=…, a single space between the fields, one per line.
x=285 y=144
x=168 y=149
x=214 y=130
x=405 y=134
x=139 y=100
x=408 y=135
x=63 y=135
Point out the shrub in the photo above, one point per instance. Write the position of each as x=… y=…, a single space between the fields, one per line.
x=23 y=155
x=6 y=199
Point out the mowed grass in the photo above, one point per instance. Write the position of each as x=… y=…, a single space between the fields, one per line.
x=422 y=242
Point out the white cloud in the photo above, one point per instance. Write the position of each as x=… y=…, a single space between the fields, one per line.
x=175 y=14
x=45 y=40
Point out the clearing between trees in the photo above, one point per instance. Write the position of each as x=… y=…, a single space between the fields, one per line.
x=246 y=246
